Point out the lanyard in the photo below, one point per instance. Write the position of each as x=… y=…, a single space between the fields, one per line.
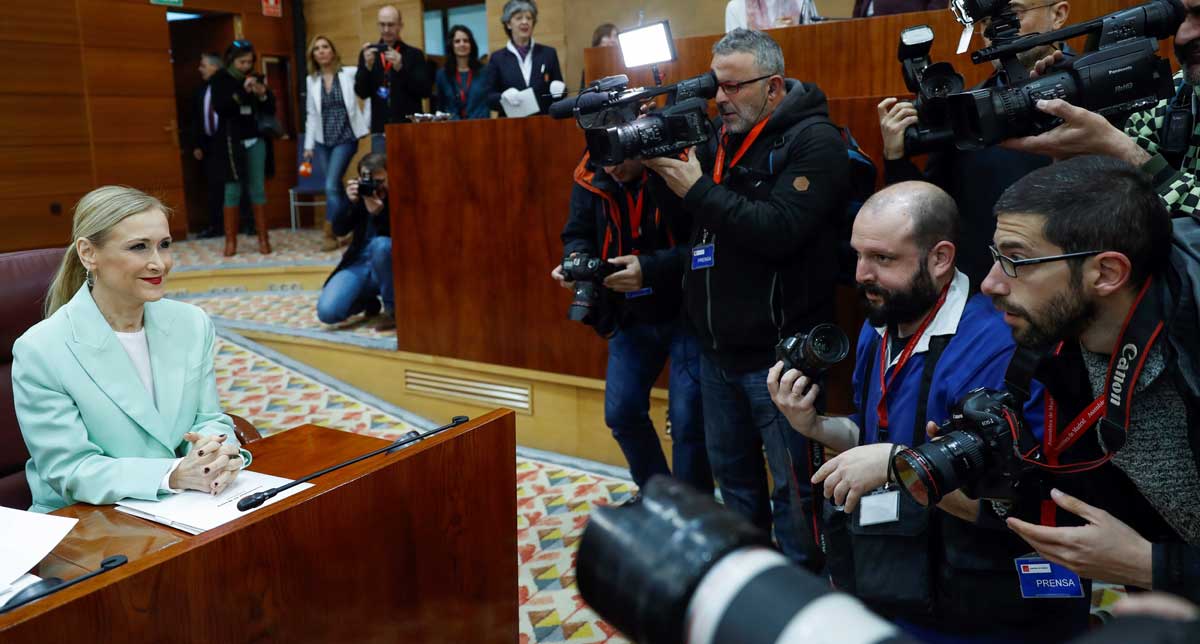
x=719 y=170
x=635 y=211
x=881 y=411
x=462 y=91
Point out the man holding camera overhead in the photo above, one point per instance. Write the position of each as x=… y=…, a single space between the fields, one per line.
x=765 y=197
x=616 y=219
x=392 y=75
x=974 y=178
x=942 y=574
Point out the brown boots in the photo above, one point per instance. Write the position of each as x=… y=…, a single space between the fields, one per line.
x=232 y=215
x=328 y=241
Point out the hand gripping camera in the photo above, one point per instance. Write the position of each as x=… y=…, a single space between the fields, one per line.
x=1119 y=73
x=588 y=273
x=608 y=112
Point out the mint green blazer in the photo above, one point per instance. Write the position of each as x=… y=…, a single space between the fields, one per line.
x=94 y=433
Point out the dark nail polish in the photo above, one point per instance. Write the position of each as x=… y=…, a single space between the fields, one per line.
x=206 y=470
x=201 y=452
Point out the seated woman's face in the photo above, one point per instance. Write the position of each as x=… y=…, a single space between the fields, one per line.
x=521 y=25
x=135 y=258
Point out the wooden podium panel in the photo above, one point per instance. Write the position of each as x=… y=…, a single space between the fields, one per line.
x=416 y=546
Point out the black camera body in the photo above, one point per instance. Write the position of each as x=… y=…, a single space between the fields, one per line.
x=368 y=187
x=615 y=129
x=980 y=454
x=1118 y=73
x=814 y=352
x=588 y=273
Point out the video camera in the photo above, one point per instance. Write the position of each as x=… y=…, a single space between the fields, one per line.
x=1119 y=72
x=615 y=130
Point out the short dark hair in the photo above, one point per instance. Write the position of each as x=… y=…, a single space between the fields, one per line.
x=1096 y=203
x=372 y=163
x=602 y=31
x=451 y=64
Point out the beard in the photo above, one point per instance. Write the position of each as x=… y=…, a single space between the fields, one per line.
x=901 y=307
x=1065 y=316
x=1189 y=59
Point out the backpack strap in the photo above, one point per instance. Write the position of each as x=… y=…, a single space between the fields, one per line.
x=937 y=344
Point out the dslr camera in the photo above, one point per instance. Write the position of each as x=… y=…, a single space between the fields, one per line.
x=368 y=187
x=814 y=352
x=1118 y=73
x=615 y=130
x=981 y=453
x=588 y=273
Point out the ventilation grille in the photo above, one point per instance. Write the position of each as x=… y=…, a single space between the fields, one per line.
x=519 y=398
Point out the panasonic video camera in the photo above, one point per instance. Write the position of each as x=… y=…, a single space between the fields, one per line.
x=615 y=130
x=1118 y=73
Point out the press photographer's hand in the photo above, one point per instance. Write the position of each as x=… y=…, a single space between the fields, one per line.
x=894 y=118
x=557 y=276
x=679 y=176
x=352 y=190
x=854 y=473
x=1082 y=132
x=629 y=278
x=368 y=51
x=795 y=396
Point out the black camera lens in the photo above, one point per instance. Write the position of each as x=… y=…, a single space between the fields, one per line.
x=813 y=353
x=937 y=468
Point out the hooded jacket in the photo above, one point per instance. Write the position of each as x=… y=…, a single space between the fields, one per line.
x=772 y=222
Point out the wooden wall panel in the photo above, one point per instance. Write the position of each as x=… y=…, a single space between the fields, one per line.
x=145 y=166
x=36 y=170
x=122 y=25
x=128 y=120
x=44 y=21
x=120 y=72
x=26 y=230
x=42 y=70
x=43 y=120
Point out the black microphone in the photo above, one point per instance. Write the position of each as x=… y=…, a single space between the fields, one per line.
x=586 y=102
x=258 y=498
x=51 y=585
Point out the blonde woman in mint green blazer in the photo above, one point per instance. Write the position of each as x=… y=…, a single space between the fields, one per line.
x=115 y=390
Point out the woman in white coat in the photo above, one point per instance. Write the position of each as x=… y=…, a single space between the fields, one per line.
x=334 y=124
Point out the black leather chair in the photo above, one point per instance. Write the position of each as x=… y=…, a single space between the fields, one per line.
x=24 y=278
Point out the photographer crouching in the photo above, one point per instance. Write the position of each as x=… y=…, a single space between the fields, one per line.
x=618 y=236
x=765 y=197
x=939 y=573
x=364 y=276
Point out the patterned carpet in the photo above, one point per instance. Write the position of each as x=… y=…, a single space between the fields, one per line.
x=553 y=501
x=302 y=246
x=292 y=310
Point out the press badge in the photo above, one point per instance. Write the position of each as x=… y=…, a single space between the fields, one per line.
x=382 y=92
x=1042 y=579
x=641 y=292
x=879 y=507
x=703 y=257
x=246 y=110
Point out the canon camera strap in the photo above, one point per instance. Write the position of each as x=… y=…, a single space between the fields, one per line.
x=1175 y=136
x=1141 y=329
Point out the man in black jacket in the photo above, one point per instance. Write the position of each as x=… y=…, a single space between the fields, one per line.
x=202 y=135
x=392 y=75
x=765 y=200
x=974 y=178
x=614 y=216
x=1087 y=277
x=364 y=276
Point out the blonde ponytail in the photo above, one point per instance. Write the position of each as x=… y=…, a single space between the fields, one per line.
x=95 y=214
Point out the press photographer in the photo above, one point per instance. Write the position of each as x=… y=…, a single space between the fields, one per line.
x=765 y=197
x=974 y=178
x=622 y=266
x=1091 y=277
x=937 y=573
x=364 y=276
x=1160 y=141
x=676 y=567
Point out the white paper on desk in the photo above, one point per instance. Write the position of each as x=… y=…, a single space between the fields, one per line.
x=526 y=104
x=26 y=538
x=194 y=511
x=7 y=592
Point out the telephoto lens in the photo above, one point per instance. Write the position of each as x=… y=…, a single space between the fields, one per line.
x=677 y=567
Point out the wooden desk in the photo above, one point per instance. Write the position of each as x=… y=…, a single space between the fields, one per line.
x=416 y=546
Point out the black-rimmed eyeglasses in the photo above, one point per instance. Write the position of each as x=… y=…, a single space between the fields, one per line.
x=1009 y=265
x=731 y=88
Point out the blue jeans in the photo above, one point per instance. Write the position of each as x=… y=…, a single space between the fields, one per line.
x=739 y=421
x=378 y=144
x=353 y=289
x=636 y=355
x=334 y=159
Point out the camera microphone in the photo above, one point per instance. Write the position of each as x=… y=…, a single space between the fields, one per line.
x=586 y=103
x=258 y=498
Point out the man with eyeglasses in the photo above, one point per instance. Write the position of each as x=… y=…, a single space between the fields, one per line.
x=764 y=196
x=974 y=178
x=1160 y=141
x=1089 y=281
x=942 y=574
x=391 y=75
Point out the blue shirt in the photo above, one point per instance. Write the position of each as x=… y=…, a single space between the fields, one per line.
x=976 y=356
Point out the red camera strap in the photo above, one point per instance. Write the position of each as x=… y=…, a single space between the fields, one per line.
x=881 y=411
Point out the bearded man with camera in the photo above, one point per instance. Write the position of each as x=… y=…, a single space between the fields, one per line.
x=621 y=262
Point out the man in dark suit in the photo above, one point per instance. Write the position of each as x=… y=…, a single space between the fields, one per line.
x=523 y=64
x=392 y=75
x=203 y=127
